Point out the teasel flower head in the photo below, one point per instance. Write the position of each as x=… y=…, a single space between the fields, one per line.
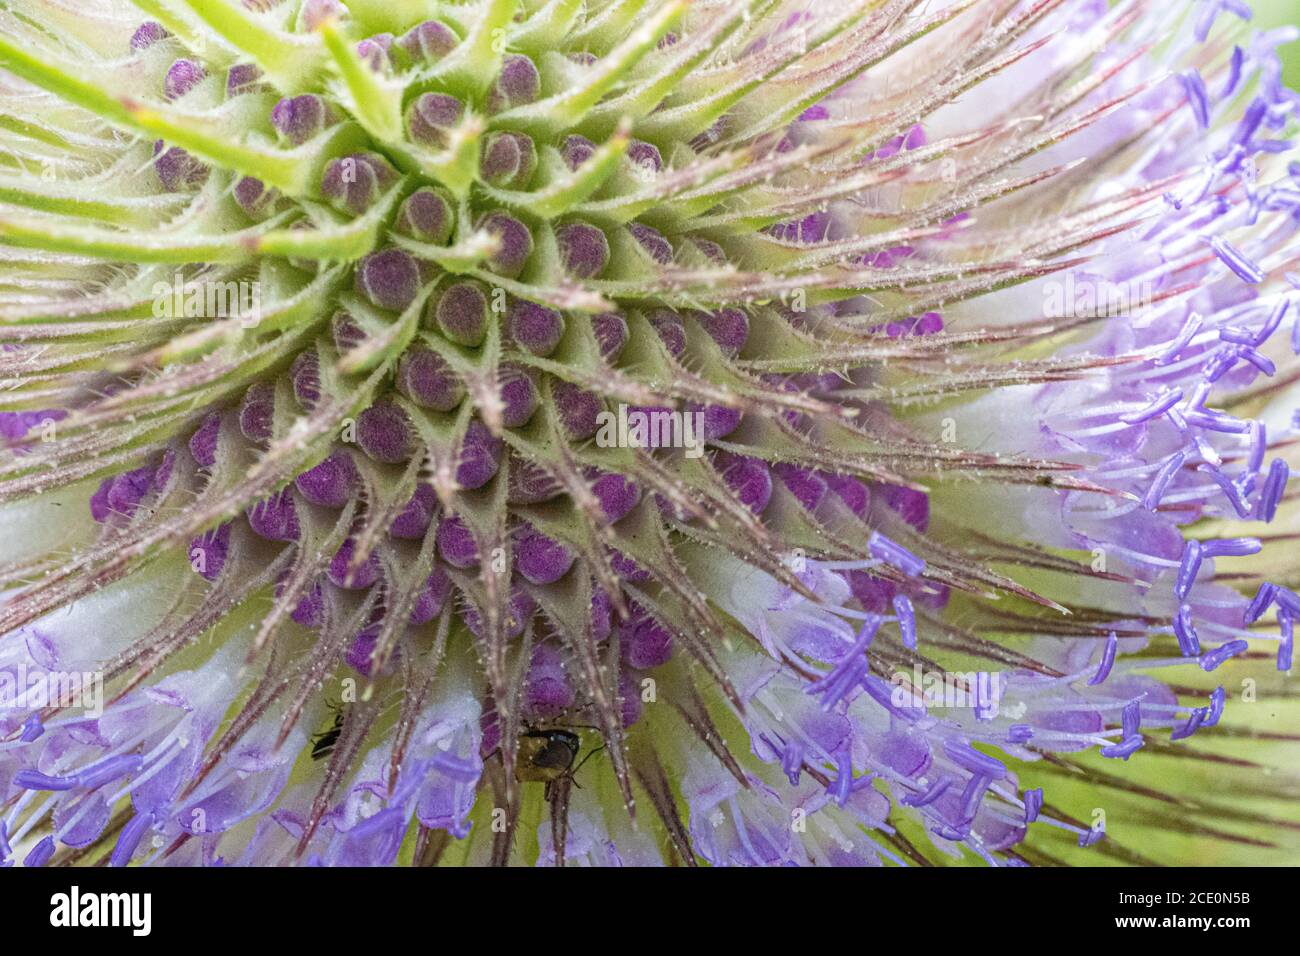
x=407 y=402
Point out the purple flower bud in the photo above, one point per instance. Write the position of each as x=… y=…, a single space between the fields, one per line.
x=425 y=378
x=428 y=42
x=807 y=486
x=750 y=479
x=412 y=523
x=578 y=409
x=376 y=51
x=389 y=279
x=519 y=395
x=645 y=155
x=456 y=544
x=480 y=456
x=645 y=643
x=611 y=333
x=385 y=433
x=330 y=484
x=182 y=76
x=516 y=243
x=653 y=242
x=147 y=34
x=257 y=412
x=728 y=327
x=541 y=560
x=275 y=518
x=254 y=198
x=210 y=550
x=203 y=443
x=305 y=376
x=672 y=331
x=432 y=598
x=461 y=312
x=356 y=579
x=852 y=492
x=584 y=250
x=617 y=495
x=576 y=150
x=243 y=78
x=430 y=118
x=355 y=183
x=508 y=160
x=299 y=118
x=530 y=483
x=177 y=170
x=518 y=84
x=548 y=691
x=534 y=327
x=426 y=215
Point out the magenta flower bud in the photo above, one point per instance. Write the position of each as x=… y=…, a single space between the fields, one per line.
x=252 y=195
x=653 y=242
x=617 y=495
x=147 y=34
x=480 y=457
x=516 y=243
x=243 y=78
x=508 y=160
x=275 y=518
x=431 y=117
x=203 y=443
x=389 y=279
x=300 y=118
x=331 y=483
x=520 y=611
x=519 y=395
x=584 y=250
x=425 y=378
x=177 y=170
x=182 y=76
x=576 y=150
x=428 y=42
x=611 y=333
x=355 y=579
x=534 y=327
x=548 y=692
x=518 y=84
x=645 y=643
x=432 y=598
x=386 y=434
x=210 y=551
x=578 y=409
x=461 y=312
x=807 y=486
x=257 y=412
x=855 y=495
x=456 y=544
x=672 y=331
x=541 y=560
x=728 y=327
x=426 y=215
x=751 y=480
x=414 y=520
x=355 y=183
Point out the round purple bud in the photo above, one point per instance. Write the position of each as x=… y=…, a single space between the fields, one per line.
x=541 y=560
x=519 y=395
x=584 y=250
x=653 y=242
x=480 y=456
x=254 y=198
x=578 y=409
x=182 y=76
x=275 y=518
x=243 y=78
x=516 y=243
x=376 y=51
x=355 y=183
x=576 y=150
x=329 y=484
x=547 y=690
x=412 y=523
x=203 y=443
x=751 y=480
x=461 y=312
x=299 y=118
x=304 y=373
x=425 y=378
x=389 y=279
x=645 y=643
x=617 y=495
x=728 y=327
x=456 y=544
x=426 y=215
x=672 y=331
x=431 y=116
x=257 y=412
x=385 y=433
x=359 y=578
x=147 y=34
x=534 y=327
x=429 y=604
x=177 y=170
x=507 y=160
x=518 y=84
x=611 y=333
x=428 y=42
x=645 y=156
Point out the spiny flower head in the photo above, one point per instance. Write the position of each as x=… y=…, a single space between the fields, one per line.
x=434 y=396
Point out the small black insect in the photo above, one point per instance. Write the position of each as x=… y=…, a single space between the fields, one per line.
x=323 y=743
x=548 y=755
